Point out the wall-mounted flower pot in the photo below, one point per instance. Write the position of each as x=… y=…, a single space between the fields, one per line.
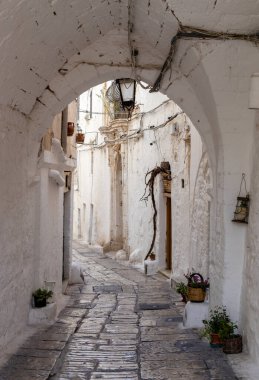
x=70 y=128
x=80 y=138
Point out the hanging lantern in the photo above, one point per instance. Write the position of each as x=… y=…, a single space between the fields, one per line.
x=127 y=89
x=242 y=207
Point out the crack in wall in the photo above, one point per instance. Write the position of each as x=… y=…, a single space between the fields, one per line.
x=188 y=32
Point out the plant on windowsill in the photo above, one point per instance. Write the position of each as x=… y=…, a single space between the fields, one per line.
x=40 y=297
x=182 y=289
x=196 y=286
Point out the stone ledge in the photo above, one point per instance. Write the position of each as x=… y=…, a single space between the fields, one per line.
x=194 y=313
x=43 y=315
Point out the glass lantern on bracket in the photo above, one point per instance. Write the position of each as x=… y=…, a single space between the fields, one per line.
x=241 y=212
x=127 y=90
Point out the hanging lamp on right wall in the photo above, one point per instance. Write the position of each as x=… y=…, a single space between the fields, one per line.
x=241 y=212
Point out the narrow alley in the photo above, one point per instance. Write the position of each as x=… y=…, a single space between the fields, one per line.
x=120 y=325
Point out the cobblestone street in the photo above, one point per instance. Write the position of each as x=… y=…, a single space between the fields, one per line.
x=119 y=325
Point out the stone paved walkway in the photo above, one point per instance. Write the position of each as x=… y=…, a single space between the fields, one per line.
x=120 y=325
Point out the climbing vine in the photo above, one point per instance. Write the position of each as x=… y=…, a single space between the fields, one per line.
x=149 y=192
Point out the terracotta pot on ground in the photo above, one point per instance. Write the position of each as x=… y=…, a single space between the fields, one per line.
x=215 y=340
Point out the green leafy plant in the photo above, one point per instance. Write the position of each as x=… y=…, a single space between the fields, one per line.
x=181 y=288
x=227 y=331
x=42 y=294
x=219 y=323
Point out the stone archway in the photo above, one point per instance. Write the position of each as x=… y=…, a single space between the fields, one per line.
x=63 y=49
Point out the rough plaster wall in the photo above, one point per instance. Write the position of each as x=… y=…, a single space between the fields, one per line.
x=143 y=155
x=51 y=232
x=94 y=189
x=199 y=244
x=102 y=195
x=250 y=304
x=181 y=200
x=93 y=174
x=16 y=232
x=235 y=139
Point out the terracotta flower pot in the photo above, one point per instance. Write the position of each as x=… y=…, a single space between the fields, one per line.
x=70 y=128
x=80 y=138
x=215 y=340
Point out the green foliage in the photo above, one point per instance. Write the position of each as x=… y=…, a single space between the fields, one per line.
x=219 y=322
x=195 y=280
x=181 y=288
x=42 y=294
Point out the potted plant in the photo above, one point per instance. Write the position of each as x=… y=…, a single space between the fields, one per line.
x=221 y=331
x=232 y=343
x=182 y=289
x=40 y=297
x=214 y=325
x=80 y=136
x=196 y=286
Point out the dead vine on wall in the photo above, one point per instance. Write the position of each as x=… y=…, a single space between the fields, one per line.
x=149 y=182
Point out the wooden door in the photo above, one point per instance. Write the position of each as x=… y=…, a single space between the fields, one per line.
x=168 y=234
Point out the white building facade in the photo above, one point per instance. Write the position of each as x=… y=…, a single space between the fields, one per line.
x=110 y=210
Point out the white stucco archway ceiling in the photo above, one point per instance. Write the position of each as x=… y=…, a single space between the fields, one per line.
x=42 y=40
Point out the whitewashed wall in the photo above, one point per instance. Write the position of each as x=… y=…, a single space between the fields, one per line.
x=92 y=184
x=17 y=228
x=209 y=79
x=140 y=154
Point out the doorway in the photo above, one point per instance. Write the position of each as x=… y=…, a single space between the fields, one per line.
x=168 y=245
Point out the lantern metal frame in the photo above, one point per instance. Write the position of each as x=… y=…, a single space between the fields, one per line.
x=128 y=105
x=241 y=212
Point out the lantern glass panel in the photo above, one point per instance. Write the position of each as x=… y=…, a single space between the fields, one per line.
x=242 y=210
x=127 y=88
